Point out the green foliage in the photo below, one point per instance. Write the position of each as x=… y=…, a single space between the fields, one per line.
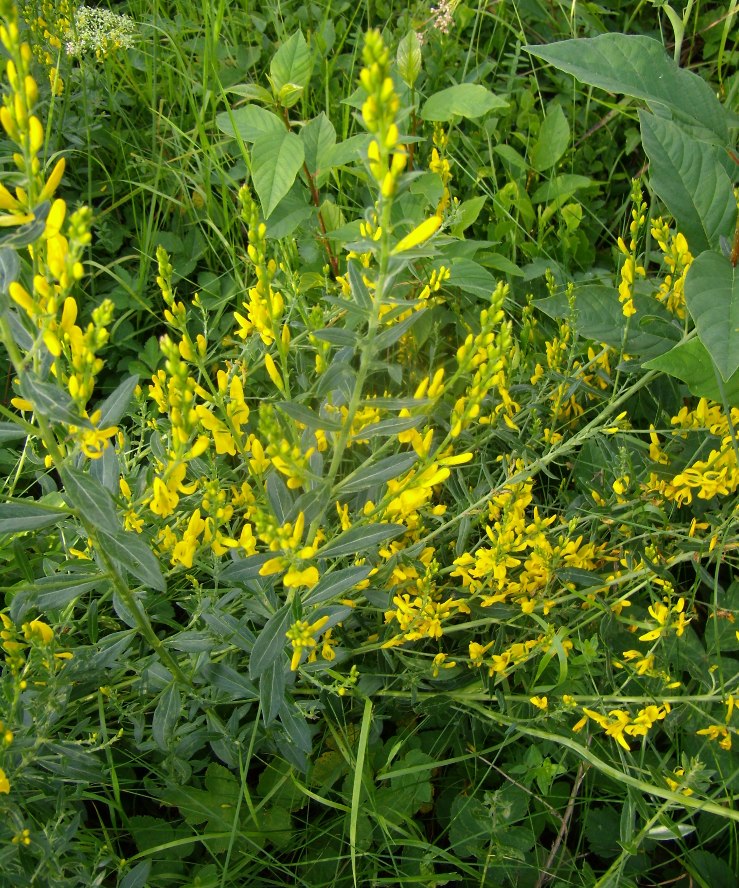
x=368 y=457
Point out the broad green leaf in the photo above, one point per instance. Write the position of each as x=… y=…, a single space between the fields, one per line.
x=378 y=473
x=336 y=583
x=166 y=715
x=466 y=214
x=249 y=123
x=638 y=66
x=350 y=150
x=598 y=316
x=691 y=363
x=271 y=641
x=361 y=539
x=712 y=297
x=318 y=137
x=17 y=517
x=687 y=175
x=91 y=499
x=277 y=825
x=563 y=186
x=132 y=552
x=463 y=100
x=552 y=141
x=292 y=63
x=409 y=59
x=276 y=160
x=51 y=401
x=253 y=92
x=471 y=277
x=116 y=404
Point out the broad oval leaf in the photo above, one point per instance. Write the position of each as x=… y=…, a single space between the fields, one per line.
x=692 y=364
x=249 y=123
x=689 y=178
x=361 y=539
x=552 y=141
x=318 y=137
x=638 y=66
x=292 y=63
x=409 y=59
x=463 y=100
x=712 y=297
x=276 y=160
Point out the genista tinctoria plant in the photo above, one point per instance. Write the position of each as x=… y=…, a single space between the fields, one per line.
x=358 y=493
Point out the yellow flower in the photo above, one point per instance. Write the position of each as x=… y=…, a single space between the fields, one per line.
x=420 y=234
x=302 y=637
x=4 y=782
x=540 y=702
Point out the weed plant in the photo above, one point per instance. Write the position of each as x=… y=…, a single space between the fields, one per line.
x=368 y=453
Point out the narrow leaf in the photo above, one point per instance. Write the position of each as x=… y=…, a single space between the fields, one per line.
x=50 y=401
x=337 y=583
x=91 y=499
x=361 y=539
x=165 y=717
x=17 y=517
x=116 y=404
x=378 y=473
x=271 y=642
x=132 y=553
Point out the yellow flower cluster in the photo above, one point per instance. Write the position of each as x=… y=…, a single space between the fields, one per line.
x=630 y=269
x=619 y=724
x=677 y=258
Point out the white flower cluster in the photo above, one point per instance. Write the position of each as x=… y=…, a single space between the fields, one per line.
x=443 y=15
x=99 y=32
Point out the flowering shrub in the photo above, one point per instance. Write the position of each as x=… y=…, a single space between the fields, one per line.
x=345 y=507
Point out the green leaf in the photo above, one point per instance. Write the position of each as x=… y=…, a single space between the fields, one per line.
x=29 y=233
x=51 y=401
x=712 y=297
x=17 y=517
x=251 y=91
x=470 y=827
x=91 y=499
x=691 y=363
x=10 y=268
x=688 y=176
x=378 y=473
x=336 y=583
x=276 y=160
x=318 y=137
x=389 y=428
x=463 y=100
x=409 y=59
x=308 y=417
x=116 y=404
x=249 y=123
x=361 y=539
x=10 y=431
x=561 y=187
x=132 y=553
x=292 y=63
x=166 y=715
x=272 y=691
x=552 y=141
x=235 y=685
x=466 y=214
x=471 y=277
x=271 y=641
x=638 y=66
x=136 y=877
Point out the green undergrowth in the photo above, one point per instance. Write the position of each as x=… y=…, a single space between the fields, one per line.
x=368 y=446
